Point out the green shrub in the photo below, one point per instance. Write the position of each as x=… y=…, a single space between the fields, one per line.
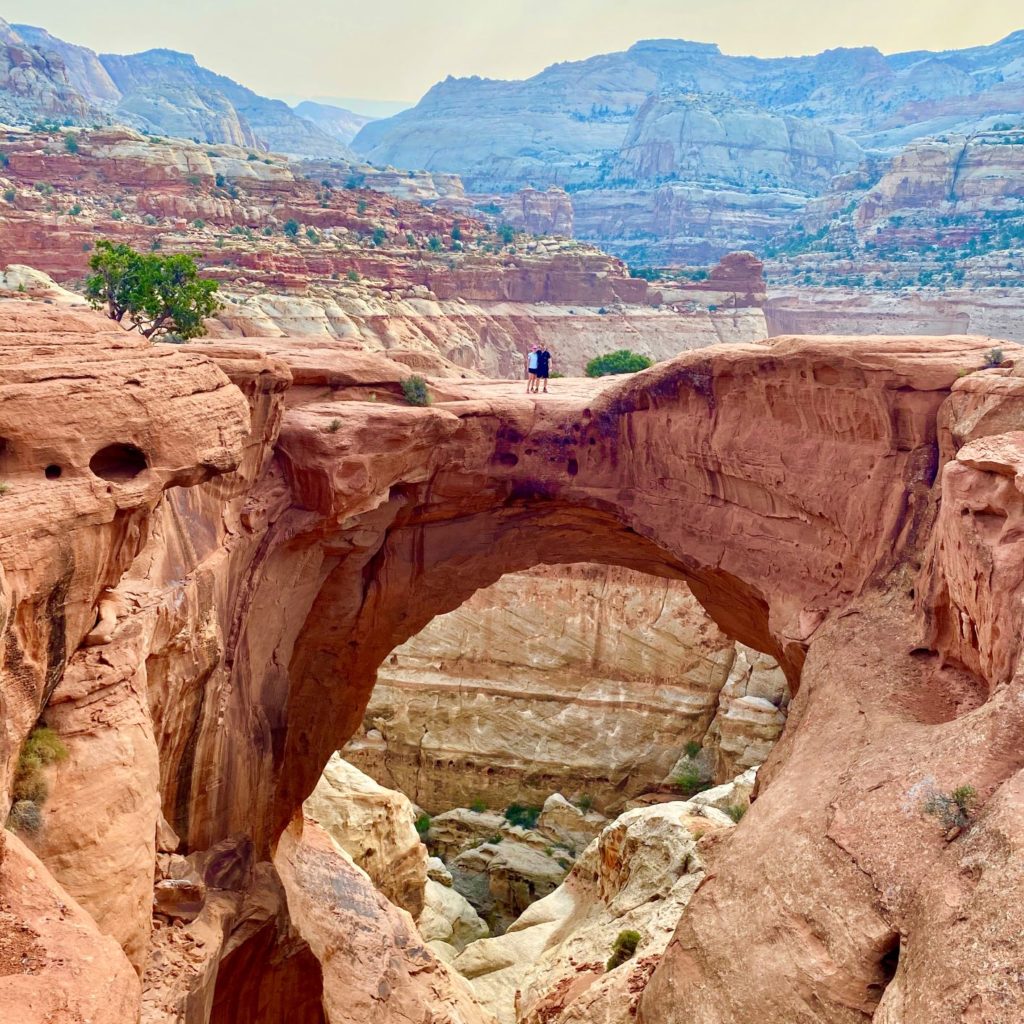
x=690 y=781
x=291 y=228
x=116 y=215
x=268 y=231
x=423 y=824
x=312 y=236
x=478 y=805
x=692 y=749
x=353 y=276
x=622 y=361
x=434 y=244
x=523 y=815
x=415 y=390
x=379 y=236
x=194 y=180
x=736 y=811
x=507 y=233
x=954 y=810
x=5 y=160
x=252 y=156
x=10 y=195
x=199 y=223
x=334 y=426
x=623 y=948
x=993 y=357
x=219 y=180
x=71 y=143
x=75 y=210
x=361 y=207
x=585 y=803
x=29 y=789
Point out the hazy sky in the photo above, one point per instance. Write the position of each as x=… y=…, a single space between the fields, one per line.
x=396 y=49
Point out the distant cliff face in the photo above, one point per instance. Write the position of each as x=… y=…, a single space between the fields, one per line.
x=674 y=151
x=159 y=91
x=343 y=124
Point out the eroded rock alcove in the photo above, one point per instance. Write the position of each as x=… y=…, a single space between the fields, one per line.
x=202 y=634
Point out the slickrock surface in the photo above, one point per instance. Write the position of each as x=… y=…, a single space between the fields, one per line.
x=199 y=599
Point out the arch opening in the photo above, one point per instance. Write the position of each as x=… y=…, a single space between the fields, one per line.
x=119 y=463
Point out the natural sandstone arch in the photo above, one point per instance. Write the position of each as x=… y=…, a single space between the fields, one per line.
x=266 y=571
x=777 y=482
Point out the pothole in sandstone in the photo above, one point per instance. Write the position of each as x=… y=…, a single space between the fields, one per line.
x=511 y=737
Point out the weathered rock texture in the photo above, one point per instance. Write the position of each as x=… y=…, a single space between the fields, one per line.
x=638 y=875
x=376 y=828
x=586 y=680
x=214 y=555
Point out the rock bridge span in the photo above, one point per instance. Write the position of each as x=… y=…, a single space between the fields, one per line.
x=210 y=552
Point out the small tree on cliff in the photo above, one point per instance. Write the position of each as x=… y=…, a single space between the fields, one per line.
x=155 y=294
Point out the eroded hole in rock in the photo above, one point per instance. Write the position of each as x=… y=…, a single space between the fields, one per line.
x=567 y=715
x=118 y=462
x=53 y=472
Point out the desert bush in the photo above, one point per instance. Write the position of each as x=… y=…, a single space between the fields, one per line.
x=379 y=236
x=10 y=195
x=622 y=361
x=70 y=143
x=334 y=426
x=312 y=236
x=75 y=210
x=623 y=948
x=523 y=815
x=423 y=824
x=690 y=781
x=692 y=749
x=25 y=817
x=736 y=811
x=993 y=357
x=116 y=215
x=585 y=802
x=953 y=810
x=353 y=276
x=478 y=806
x=434 y=244
x=291 y=228
x=415 y=390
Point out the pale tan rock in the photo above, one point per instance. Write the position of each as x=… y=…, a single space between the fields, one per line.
x=447 y=917
x=376 y=828
x=375 y=968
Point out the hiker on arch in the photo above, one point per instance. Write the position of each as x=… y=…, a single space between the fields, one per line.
x=531 y=368
x=543 y=369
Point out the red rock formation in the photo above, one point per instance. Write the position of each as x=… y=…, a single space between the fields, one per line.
x=246 y=580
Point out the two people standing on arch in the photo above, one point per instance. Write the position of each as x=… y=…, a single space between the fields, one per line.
x=538 y=368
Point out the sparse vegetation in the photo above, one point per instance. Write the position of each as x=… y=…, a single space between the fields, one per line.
x=379 y=236
x=523 y=815
x=415 y=390
x=478 y=806
x=423 y=824
x=691 y=781
x=353 y=276
x=291 y=228
x=155 y=294
x=29 y=789
x=312 y=236
x=10 y=195
x=5 y=488
x=993 y=358
x=622 y=361
x=75 y=210
x=116 y=215
x=736 y=811
x=692 y=749
x=334 y=426
x=71 y=143
x=623 y=948
x=361 y=207
x=199 y=223
x=506 y=233
x=434 y=244
x=954 y=810
x=585 y=802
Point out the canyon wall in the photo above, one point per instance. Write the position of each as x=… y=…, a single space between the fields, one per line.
x=208 y=554
x=587 y=680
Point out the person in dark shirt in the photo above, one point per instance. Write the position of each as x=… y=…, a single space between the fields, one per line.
x=543 y=368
